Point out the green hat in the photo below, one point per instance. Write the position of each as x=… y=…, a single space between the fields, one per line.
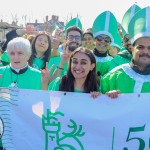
x=74 y=22
x=139 y=25
x=117 y=41
x=128 y=16
x=105 y=23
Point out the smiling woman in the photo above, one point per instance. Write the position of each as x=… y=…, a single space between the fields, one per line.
x=41 y=51
x=81 y=74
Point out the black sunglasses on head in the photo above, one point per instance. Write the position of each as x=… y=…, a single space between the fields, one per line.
x=101 y=38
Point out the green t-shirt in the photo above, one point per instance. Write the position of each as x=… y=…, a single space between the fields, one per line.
x=38 y=63
x=30 y=79
x=56 y=61
x=56 y=83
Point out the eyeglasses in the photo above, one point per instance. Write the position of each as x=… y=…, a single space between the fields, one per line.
x=106 y=39
x=71 y=37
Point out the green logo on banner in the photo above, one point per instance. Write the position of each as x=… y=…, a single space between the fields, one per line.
x=55 y=137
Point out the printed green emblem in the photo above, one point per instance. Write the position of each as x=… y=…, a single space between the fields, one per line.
x=55 y=138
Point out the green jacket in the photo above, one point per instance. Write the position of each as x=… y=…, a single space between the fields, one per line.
x=125 y=79
x=121 y=58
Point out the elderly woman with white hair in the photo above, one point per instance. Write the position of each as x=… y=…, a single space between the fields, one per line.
x=18 y=73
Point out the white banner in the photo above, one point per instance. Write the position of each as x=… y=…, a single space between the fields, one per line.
x=44 y=120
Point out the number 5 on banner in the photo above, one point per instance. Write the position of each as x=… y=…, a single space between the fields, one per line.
x=141 y=141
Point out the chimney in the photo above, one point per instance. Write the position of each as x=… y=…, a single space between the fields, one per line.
x=57 y=18
x=46 y=18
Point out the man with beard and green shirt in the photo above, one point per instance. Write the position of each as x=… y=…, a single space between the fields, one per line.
x=75 y=27
x=133 y=77
x=72 y=41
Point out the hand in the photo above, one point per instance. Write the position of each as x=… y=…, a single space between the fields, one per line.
x=29 y=29
x=64 y=58
x=46 y=76
x=113 y=94
x=55 y=42
x=95 y=94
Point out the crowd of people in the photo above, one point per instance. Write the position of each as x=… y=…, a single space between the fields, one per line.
x=108 y=58
x=105 y=58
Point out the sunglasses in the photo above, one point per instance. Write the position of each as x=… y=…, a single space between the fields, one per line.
x=71 y=37
x=101 y=38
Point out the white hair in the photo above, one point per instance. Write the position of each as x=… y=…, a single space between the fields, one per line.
x=19 y=43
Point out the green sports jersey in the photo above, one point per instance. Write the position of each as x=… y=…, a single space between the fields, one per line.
x=30 y=79
x=125 y=79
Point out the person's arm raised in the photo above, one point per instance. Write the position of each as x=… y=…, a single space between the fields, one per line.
x=46 y=78
x=60 y=67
